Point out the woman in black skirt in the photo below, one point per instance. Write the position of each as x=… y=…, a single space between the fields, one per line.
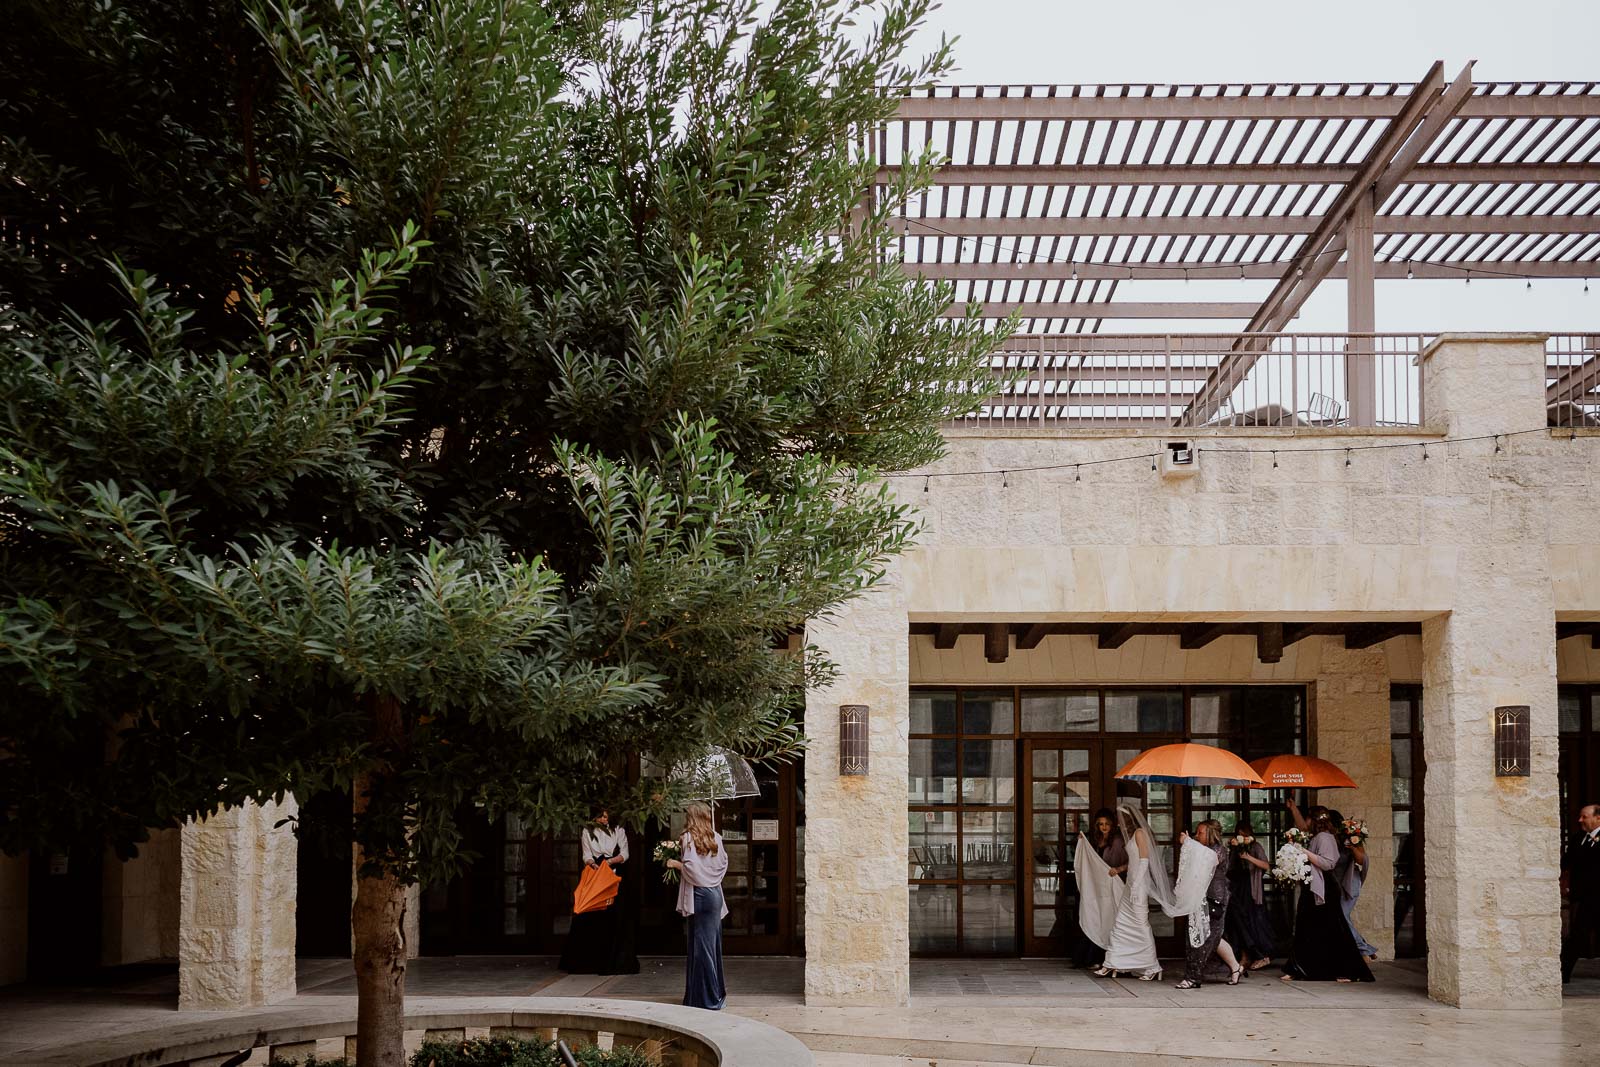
x=1324 y=949
x=1247 y=928
x=601 y=942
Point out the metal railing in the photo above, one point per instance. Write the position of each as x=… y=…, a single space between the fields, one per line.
x=1572 y=379
x=1347 y=381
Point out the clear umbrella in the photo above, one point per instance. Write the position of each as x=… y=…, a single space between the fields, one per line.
x=718 y=775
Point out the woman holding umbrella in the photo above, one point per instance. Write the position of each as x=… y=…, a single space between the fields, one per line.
x=701 y=870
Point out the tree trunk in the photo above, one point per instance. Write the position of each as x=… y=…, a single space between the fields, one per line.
x=377 y=922
x=377 y=918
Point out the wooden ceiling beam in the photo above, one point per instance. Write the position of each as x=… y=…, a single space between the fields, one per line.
x=996 y=642
x=1032 y=635
x=945 y=636
x=1111 y=637
x=1269 y=642
x=1200 y=635
x=1366 y=636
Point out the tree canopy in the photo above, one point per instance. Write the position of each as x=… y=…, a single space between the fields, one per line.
x=442 y=401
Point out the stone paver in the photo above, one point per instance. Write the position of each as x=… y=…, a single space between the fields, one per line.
x=964 y=1013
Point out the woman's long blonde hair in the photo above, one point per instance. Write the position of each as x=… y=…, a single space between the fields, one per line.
x=697 y=824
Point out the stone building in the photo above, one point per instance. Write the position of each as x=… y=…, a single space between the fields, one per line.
x=1357 y=546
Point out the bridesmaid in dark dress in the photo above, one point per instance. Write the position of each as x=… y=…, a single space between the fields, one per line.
x=602 y=942
x=1324 y=949
x=1106 y=839
x=1248 y=928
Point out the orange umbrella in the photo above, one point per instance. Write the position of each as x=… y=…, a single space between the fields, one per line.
x=597 y=888
x=1190 y=764
x=1290 y=771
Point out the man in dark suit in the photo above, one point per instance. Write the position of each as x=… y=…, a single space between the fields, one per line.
x=1580 y=880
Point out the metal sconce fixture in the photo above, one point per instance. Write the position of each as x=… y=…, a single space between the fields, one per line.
x=852 y=739
x=1513 y=743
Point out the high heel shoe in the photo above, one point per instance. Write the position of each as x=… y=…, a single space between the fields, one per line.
x=1233 y=978
x=1103 y=971
x=1151 y=976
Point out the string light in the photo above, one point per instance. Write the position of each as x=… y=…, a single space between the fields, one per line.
x=1074 y=272
x=1348 y=450
x=1409 y=275
x=1005 y=479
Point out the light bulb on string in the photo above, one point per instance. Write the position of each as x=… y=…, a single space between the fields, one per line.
x=1469 y=278
x=1347 y=457
x=1074 y=272
x=1077 y=473
x=1274 y=460
x=1586 y=285
x=1497 y=448
x=1409 y=274
x=1530 y=283
x=1152 y=461
x=1005 y=479
x=925 y=483
x=1424 y=451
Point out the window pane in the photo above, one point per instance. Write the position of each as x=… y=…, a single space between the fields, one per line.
x=989 y=774
x=1061 y=712
x=988 y=845
x=933 y=713
x=988 y=918
x=932 y=853
x=931 y=772
x=1400 y=769
x=933 y=918
x=1571 y=713
x=1047 y=763
x=987 y=713
x=1256 y=720
x=1400 y=716
x=1402 y=822
x=1144 y=711
x=1205 y=713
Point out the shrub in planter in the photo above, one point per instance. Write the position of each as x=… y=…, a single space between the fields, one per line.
x=499 y=1052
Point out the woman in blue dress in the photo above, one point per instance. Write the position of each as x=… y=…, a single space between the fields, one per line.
x=704 y=863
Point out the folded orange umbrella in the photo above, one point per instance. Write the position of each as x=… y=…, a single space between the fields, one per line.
x=597 y=888
x=1290 y=771
x=1190 y=764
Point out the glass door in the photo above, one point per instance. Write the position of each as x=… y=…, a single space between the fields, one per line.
x=760 y=834
x=1061 y=798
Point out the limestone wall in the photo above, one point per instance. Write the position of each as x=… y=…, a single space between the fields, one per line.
x=140 y=901
x=13 y=918
x=237 y=929
x=857 y=937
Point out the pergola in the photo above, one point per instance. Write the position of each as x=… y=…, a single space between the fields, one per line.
x=1048 y=198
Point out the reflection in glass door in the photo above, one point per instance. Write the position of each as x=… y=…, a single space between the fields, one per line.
x=1061 y=799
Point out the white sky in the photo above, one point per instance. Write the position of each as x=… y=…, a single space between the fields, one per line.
x=1164 y=41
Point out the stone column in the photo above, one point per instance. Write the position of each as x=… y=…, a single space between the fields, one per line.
x=857 y=944
x=1352 y=730
x=1492 y=849
x=236 y=933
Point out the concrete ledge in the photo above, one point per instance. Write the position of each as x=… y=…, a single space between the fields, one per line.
x=702 y=1038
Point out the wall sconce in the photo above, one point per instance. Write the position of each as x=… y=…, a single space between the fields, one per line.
x=1513 y=744
x=852 y=739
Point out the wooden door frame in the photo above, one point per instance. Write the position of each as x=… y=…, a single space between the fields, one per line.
x=1058 y=945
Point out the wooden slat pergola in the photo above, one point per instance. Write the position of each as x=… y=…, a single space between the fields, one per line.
x=1047 y=199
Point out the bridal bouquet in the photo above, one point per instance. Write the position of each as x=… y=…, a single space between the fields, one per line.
x=1354 y=832
x=1291 y=865
x=1241 y=840
x=1297 y=837
x=668 y=850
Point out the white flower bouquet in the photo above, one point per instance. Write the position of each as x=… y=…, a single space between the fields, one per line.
x=668 y=850
x=1291 y=865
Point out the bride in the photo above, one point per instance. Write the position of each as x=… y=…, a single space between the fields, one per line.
x=1131 y=947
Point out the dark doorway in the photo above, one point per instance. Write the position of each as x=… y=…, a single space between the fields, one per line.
x=64 y=907
x=324 y=876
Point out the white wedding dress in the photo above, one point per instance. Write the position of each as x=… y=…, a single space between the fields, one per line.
x=1133 y=946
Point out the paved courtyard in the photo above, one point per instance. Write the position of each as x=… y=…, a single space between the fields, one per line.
x=964 y=1013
